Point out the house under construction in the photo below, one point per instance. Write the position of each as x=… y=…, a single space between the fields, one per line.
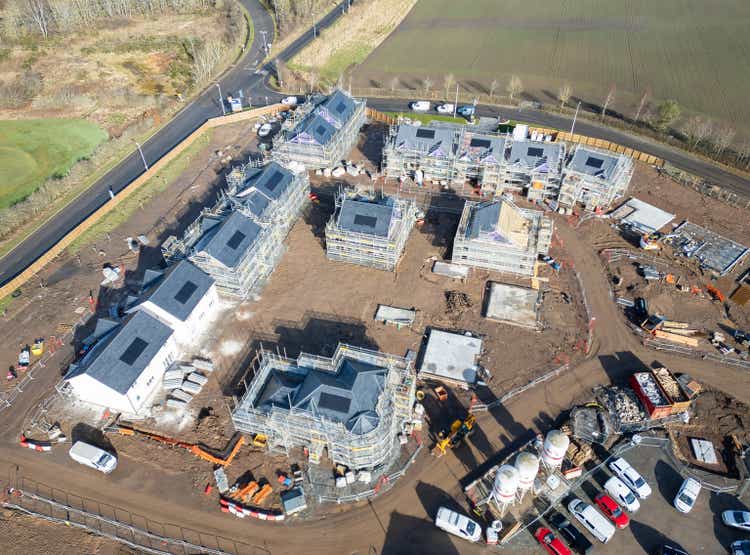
x=594 y=178
x=351 y=407
x=457 y=154
x=369 y=231
x=321 y=132
x=502 y=237
x=239 y=241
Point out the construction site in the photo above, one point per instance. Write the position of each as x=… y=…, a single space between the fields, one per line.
x=368 y=230
x=490 y=341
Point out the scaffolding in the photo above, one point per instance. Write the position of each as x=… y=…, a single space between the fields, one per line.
x=309 y=428
x=594 y=178
x=369 y=230
x=247 y=209
x=457 y=154
x=502 y=237
x=321 y=132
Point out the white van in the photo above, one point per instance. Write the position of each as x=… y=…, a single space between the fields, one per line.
x=420 y=106
x=622 y=494
x=630 y=476
x=93 y=457
x=458 y=524
x=593 y=520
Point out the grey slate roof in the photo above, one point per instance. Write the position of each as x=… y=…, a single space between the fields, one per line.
x=313 y=129
x=483 y=148
x=434 y=141
x=534 y=154
x=340 y=106
x=262 y=186
x=181 y=290
x=365 y=217
x=483 y=219
x=594 y=163
x=322 y=123
x=349 y=396
x=122 y=358
x=233 y=238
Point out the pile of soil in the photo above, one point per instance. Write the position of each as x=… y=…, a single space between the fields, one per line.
x=725 y=415
x=456 y=303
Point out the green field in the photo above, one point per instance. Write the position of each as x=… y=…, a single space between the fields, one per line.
x=33 y=150
x=695 y=51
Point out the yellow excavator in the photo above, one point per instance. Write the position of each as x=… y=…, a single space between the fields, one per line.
x=458 y=432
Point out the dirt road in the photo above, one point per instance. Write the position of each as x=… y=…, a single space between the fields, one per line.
x=399 y=521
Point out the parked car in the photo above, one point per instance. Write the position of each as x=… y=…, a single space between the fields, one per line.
x=466 y=111
x=289 y=101
x=612 y=510
x=458 y=524
x=737 y=519
x=570 y=533
x=592 y=520
x=420 y=106
x=740 y=547
x=622 y=494
x=686 y=496
x=629 y=475
x=93 y=457
x=445 y=108
x=265 y=130
x=550 y=543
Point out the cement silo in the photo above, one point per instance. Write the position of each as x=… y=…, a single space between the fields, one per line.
x=527 y=465
x=554 y=448
x=506 y=484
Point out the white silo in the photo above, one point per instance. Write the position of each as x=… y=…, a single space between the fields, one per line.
x=506 y=484
x=554 y=448
x=527 y=465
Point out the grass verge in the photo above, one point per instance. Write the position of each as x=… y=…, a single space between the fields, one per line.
x=33 y=150
x=142 y=195
x=427 y=118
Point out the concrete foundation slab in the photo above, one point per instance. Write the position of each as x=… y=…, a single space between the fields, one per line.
x=451 y=358
x=512 y=304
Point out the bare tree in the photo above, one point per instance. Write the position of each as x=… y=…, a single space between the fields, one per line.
x=427 y=82
x=641 y=103
x=722 y=138
x=394 y=84
x=668 y=112
x=564 y=93
x=493 y=88
x=743 y=153
x=697 y=129
x=312 y=80
x=38 y=11
x=282 y=72
x=448 y=82
x=515 y=86
x=608 y=99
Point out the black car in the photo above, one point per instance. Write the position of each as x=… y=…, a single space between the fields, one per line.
x=667 y=549
x=572 y=535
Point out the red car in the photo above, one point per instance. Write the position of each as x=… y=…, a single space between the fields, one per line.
x=553 y=545
x=612 y=510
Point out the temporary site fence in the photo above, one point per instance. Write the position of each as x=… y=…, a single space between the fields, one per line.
x=111 y=204
x=119 y=524
x=483 y=407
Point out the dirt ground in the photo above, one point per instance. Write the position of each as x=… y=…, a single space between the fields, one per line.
x=23 y=534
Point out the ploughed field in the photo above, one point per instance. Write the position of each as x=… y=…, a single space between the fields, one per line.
x=694 y=51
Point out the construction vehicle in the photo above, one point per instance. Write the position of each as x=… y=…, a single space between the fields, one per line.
x=459 y=430
x=37 y=349
x=715 y=293
x=199 y=450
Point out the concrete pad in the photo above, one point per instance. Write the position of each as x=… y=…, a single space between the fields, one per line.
x=643 y=216
x=512 y=304
x=451 y=358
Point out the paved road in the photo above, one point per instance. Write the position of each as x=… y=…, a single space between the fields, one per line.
x=242 y=77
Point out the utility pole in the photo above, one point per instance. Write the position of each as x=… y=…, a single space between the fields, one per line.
x=145 y=165
x=575 y=117
x=221 y=100
x=455 y=106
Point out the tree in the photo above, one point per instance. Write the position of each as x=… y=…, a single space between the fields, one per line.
x=493 y=88
x=722 y=138
x=448 y=82
x=668 y=112
x=282 y=72
x=312 y=80
x=394 y=84
x=37 y=11
x=515 y=86
x=609 y=99
x=644 y=98
x=563 y=94
x=743 y=153
x=697 y=129
x=427 y=82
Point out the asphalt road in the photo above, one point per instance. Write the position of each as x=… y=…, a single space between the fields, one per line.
x=252 y=82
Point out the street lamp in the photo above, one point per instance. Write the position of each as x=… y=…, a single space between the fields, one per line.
x=575 y=116
x=265 y=44
x=145 y=165
x=221 y=100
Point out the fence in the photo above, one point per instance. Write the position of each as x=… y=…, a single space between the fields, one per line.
x=119 y=524
x=483 y=407
x=108 y=206
x=385 y=483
